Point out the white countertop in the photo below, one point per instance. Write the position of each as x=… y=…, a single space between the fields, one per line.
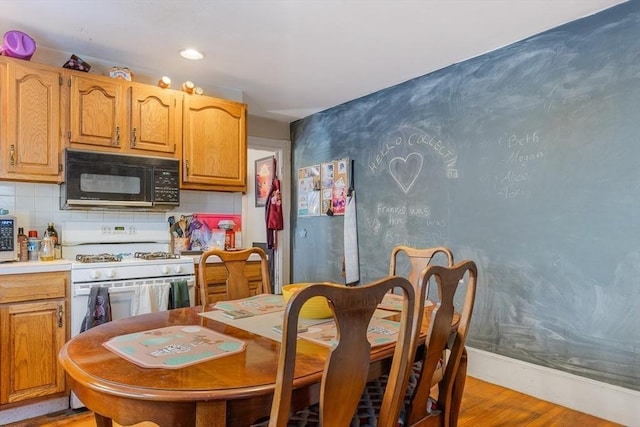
x=34 y=267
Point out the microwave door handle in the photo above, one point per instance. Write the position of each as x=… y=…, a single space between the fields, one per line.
x=107 y=203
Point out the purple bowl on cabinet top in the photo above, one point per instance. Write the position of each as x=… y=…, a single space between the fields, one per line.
x=17 y=44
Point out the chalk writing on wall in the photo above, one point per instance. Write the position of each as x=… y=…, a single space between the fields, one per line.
x=520 y=153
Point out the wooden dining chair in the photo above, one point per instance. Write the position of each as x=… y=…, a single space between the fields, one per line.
x=435 y=401
x=347 y=366
x=436 y=380
x=418 y=260
x=409 y=262
x=239 y=284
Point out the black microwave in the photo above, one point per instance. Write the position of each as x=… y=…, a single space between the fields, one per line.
x=104 y=180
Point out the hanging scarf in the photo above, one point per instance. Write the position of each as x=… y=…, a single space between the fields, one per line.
x=273 y=210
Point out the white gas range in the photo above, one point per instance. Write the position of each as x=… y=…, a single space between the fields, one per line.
x=120 y=256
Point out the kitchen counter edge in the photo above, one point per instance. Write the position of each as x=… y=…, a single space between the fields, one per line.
x=29 y=267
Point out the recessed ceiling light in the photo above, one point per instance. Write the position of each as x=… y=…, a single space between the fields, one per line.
x=191 y=54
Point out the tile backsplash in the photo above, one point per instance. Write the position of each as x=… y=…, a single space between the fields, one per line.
x=35 y=205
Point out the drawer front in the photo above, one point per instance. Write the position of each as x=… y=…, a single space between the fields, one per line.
x=31 y=287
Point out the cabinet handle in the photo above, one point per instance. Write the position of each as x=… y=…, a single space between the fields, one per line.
x=187 y=165
x=60 y=316
x=117 y=136
x=12 y=155
x=135 y=136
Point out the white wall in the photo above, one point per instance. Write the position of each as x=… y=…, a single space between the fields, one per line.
x=254 y=217
x=254 y=228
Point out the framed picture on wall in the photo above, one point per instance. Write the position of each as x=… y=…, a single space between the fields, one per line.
x=264 y=175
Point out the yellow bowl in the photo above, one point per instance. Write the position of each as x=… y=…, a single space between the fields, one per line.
x=315 y=308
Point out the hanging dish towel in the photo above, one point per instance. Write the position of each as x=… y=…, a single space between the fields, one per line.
x=273 y=210
x=150 y=298
x=351 y=258
x=98 y=308
x=179 y=294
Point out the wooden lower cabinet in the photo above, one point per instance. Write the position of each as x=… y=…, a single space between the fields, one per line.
x=217 y=277
x=33 y=329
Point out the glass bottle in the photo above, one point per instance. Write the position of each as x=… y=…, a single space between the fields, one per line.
x=32 y=245
x=46 y=249
x=23 y=245
x=53 y=234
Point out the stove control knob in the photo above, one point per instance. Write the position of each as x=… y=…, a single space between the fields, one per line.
x=164 y=269
x=177 y=269
x=94 y=274
x=110 y=273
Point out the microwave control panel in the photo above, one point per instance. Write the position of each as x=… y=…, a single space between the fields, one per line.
x=7 y=234
x=166 y=188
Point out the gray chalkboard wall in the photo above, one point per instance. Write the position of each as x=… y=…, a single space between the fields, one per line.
x=526 y=160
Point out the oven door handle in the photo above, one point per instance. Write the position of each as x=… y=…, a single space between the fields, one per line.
x=84 y=291
x=117 y=289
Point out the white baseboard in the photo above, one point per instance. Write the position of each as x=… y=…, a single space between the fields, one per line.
x=602 y=400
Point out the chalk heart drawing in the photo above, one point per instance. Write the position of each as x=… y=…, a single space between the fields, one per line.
x=405 y=171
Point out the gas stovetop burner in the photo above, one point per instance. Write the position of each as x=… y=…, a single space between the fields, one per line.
x=98 y=258
x=156 y=255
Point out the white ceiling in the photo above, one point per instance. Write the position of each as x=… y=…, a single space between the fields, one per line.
x=287 y=58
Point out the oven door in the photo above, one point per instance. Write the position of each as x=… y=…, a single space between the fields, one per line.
x=104 y=180
x=119 y=300
x=121 y=297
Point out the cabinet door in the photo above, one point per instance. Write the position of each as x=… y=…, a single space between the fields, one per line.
x=98 y=112
x=215 y=144
x=155 y=119
x=31 y=138
x=31 y=336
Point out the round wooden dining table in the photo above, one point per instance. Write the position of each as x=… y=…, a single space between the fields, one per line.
x=234 y=390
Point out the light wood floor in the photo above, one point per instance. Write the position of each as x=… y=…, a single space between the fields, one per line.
x=483 y=405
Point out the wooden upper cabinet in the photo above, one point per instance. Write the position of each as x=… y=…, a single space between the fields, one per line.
x=214 y=144
x=97 y=112
x=30 y=137
x=44 y=109
x=156 y=119
x=117 y=115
